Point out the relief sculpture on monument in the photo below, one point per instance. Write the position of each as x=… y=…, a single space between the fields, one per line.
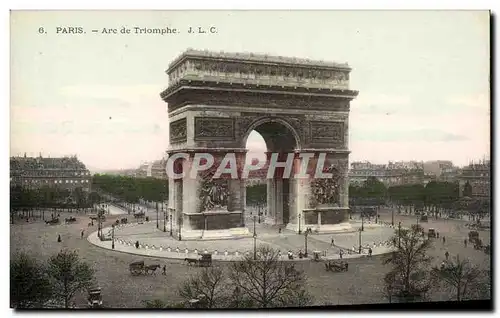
x=214 y=194
x=178 y=130
x=325 y=191
x=206 y=127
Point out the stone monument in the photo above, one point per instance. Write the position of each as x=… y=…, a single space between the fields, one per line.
x=215 y=99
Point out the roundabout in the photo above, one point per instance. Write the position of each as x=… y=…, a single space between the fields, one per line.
x=154 y=242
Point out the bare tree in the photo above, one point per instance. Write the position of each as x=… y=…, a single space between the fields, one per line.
x=210 y=284
x=268 y=282
x=69 y=275
x=409 y=278
x=461 y=276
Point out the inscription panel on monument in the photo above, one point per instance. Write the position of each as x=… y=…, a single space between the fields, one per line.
x=213 y=128
x=327 y=133
x=178 y=131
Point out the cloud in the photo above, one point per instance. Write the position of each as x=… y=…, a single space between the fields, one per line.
x=418 y=135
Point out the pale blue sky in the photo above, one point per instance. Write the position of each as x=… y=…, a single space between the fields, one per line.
x=422 y=76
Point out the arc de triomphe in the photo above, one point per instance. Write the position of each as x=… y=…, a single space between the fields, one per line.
x=216 y=99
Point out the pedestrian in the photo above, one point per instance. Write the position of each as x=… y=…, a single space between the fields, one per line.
x=279 y=230
x=341 y=253
x=447 y=255
x=82 y=233
x=136 y=244
x=59 y=240
x=444 y=240
x=370 y=252
x=164 y=270
x=465 y=242
x=333 y=241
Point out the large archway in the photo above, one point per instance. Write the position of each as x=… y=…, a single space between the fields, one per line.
x=279 y=138
x=298 y=106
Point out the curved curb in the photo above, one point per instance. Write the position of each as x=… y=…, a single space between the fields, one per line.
x=229 y=257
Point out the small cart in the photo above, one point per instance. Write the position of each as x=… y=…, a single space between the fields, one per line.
x=205 y=260
x=94 y=298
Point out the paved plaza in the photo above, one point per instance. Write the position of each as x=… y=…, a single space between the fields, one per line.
x=363 y=283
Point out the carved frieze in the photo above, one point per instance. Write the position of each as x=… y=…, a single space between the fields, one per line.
x=327 y=132
x=283 y=74
x=214 y=128
x=253 y=97
x=178 y=131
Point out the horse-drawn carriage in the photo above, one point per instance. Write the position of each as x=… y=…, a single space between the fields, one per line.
x=333 y=266
x=138 y=268
x=204 y=261
x=122 y=221
x=71 y=219
x=139 y=215
x=53 y=221
x=94 y=217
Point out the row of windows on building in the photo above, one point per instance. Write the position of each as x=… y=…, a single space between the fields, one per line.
x=51 y=173
x=55 y=181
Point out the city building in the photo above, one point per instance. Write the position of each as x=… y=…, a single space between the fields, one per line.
x=477 y=174
x=154 y=169
x=391 y=174
x=65 y=172
x=159 y=169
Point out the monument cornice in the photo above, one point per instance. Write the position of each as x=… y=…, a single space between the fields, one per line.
x=254 y=58
x=293 y=90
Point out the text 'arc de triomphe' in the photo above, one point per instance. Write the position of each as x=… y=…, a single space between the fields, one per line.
x=215 y=99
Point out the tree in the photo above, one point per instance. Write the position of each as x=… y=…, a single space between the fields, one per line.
x=461 y=276
x=29 y=285
x=268 y=282
x=410 y=279
x=209 y=284
x=467 y=192
x=256 y=194
x=69 y=275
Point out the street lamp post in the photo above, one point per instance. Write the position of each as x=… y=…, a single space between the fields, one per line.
x=360 y=241
x=164 y=219
x=113 y=237
x=170 y=219
x=260 y=211
x=392 y=216
x=180 y=228
x=157 y=222
x=362 y=221
x=254 y=239
x=300 y=216
x=399 y=235
x=306 y=234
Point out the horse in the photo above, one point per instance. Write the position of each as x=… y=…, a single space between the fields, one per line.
x=191 y=261
x=151 y=268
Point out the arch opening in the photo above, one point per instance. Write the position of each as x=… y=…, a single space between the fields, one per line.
x=269 y=199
